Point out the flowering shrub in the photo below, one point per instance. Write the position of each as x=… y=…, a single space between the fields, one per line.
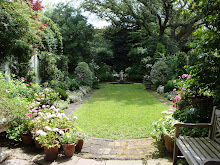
x=147 y=79
x=183 y=92
x=47 y=97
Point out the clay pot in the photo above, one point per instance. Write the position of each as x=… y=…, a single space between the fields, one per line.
x=27 y=139
x=79 y=146
x=38 y=145
x=51 y=153
x=68 y=149
x=169 y=143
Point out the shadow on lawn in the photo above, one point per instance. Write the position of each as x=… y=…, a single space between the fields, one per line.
x=134 y=94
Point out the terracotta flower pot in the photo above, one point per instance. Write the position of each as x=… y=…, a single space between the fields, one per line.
x=79 y=145
x=51 y=153
x=169 y=143
x=27 y=139
x=69 y=149
x=38 y=145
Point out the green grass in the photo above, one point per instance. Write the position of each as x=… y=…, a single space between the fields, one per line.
x=121 y=111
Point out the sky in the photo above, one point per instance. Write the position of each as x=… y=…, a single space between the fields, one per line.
x=92 y=18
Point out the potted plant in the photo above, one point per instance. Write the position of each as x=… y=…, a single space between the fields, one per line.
x=26 y=136
x=147 y=81
x=68 y=142
x=165 y=130
x=48 y=139
x=81 y=137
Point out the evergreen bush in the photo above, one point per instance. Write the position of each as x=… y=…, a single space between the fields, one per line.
x=160 y=73
x=84 y=70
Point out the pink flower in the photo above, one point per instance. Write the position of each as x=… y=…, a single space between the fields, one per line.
x=46 y=82
x=184 y=75
x=174 y=100
x=38 y=99
x=28 y=114
x=174 y=89
x=174 y=105
x=174 y=81
x=178 y=98
x=30 y=83
x=22 y=78
x=36 y=119
x=46 y=90
x=27 y=85
x=179 y=92
x=188 y=77
x=34 y=114
x=34 y=110
x=183 y=88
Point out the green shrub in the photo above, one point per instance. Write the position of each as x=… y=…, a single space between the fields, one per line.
x=62 y=93
x=73 y=86
x=160 y=50
x=84 y=73
x=160 y=73
x=198 y=114
x=181 y=62
x=169 y=86
x=47 y=66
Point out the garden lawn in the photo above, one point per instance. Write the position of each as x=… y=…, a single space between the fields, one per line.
x=119 y=111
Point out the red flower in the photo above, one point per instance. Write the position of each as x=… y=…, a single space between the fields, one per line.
x=46 y=25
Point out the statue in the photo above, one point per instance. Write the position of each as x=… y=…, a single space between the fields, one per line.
x=121 y=75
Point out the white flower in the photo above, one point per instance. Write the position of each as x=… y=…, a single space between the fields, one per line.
x=52 y=107
x=61 y=132
x=44 y=134
x=48 y=128
x=75 y=117
x=41 y=133
x=55 y=129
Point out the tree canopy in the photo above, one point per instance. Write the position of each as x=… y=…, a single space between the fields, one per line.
x=162 y=17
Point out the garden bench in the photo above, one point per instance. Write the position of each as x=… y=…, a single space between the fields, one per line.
x=203 y=150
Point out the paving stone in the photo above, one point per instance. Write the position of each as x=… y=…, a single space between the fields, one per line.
x=113 y=152
x=125 y=162
x=164 y=161
x=119 y=151
x=88 y=162
x=106 y=151
x=100 y=151
x=15 y=162
x=117 y=144
x=111 y=144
